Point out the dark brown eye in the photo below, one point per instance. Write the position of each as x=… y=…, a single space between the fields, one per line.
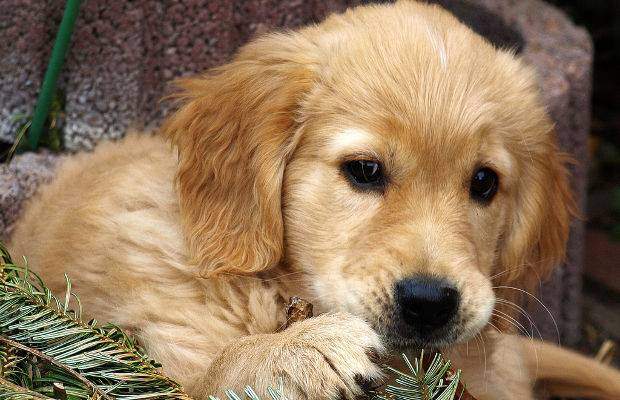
x=484 y=185
x=365 y=174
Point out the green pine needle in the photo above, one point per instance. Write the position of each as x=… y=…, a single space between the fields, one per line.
x=423 y=384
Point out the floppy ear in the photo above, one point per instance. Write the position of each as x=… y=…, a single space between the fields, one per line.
x=538 y=227
x=234 y=133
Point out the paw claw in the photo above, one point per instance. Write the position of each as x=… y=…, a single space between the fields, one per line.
x=367 y=385
x=375 y=356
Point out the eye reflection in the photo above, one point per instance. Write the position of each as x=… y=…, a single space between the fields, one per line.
x=365 y=174
x=484 y=185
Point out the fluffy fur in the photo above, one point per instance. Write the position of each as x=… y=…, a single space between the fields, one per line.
x=195 y=247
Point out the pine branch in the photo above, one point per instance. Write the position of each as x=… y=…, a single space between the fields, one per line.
x=89 y=360
x=11 y=344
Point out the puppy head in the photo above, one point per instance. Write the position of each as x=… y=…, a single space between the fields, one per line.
x=390 y=154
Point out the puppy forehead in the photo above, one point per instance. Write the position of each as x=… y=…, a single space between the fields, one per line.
x=424 y=70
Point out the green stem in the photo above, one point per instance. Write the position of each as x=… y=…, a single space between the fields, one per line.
x=57 y=58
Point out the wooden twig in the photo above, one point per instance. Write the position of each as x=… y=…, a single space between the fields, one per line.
x=606 y=352
x=297 y=310
x=59 y=391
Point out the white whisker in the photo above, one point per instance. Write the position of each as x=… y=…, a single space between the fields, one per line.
x=555 y=324
x=522 y=311
x=513 y=322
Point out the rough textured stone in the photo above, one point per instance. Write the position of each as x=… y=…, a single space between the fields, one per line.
x=19 y=180
x=124 y=53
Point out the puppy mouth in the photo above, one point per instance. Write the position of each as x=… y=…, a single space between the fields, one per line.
x=399 y=337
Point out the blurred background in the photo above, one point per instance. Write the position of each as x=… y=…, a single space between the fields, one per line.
x=122 y=54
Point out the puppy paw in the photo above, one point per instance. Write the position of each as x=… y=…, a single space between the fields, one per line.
x=332 y=356
x=335 y=356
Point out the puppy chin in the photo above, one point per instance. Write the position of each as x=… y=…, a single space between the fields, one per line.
x=398 y=343
x=397 y=338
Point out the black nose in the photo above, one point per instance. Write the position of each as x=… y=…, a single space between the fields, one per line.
x=426 y=304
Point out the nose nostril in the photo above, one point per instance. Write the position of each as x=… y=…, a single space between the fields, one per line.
x=411 y=314
x=426 y=304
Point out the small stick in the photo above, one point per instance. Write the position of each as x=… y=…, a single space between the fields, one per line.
x=606 y=353
x=59 y=391
x=297 y=309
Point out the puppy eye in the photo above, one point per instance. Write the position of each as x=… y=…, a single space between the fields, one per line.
x=484 y=185
x=366 y=174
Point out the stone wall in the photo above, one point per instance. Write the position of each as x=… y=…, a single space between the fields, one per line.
x=124 y=53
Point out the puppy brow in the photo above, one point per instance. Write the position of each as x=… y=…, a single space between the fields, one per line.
x=351 y=137
x=361 y=155
x=350 y=140
x=499 y=159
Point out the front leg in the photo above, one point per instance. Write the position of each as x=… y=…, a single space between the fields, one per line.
x=331 y=356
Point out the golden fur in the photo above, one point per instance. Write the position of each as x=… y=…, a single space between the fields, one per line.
x=196 y=248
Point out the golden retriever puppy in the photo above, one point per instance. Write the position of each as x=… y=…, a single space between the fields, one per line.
x=388 y=165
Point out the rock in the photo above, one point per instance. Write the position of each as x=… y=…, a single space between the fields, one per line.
x=19 y=180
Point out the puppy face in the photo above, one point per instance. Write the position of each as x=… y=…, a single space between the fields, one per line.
x=391 y=226
x=390 y=154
